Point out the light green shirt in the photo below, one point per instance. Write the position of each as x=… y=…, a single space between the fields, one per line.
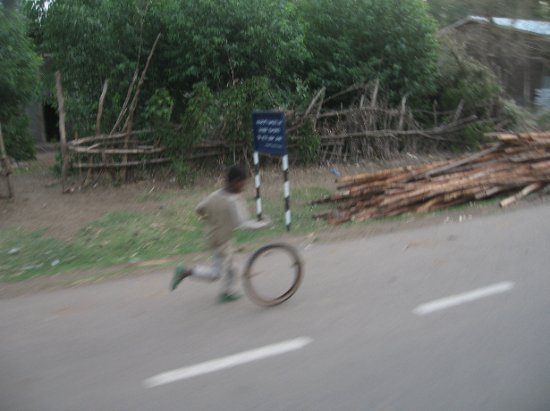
x=224 y=212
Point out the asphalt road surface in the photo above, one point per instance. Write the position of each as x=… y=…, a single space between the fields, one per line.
x=454 y=316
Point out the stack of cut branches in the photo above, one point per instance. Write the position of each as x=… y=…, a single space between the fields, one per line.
x=515 y=163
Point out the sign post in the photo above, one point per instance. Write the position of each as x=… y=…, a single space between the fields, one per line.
x=270 y=138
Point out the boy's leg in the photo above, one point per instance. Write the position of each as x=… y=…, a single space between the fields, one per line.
x=222 y=265
x=229 y=292
x=180 y=273
x=211 y=272
x=228 y=285
x=202 y=272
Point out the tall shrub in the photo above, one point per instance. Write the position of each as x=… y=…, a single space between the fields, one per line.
x=18 y=81
x=355 y=41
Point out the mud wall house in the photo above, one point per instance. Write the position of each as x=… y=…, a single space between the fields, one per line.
x=518 y=52
x=43 y=124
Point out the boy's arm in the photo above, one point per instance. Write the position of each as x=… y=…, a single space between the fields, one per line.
x=243 y=218
x=255 y=225
x=201 y=209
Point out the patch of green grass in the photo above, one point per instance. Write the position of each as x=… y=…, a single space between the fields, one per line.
x=301 y=211
x=123 y=237
x=544 y=120
x=158 y=196
x=25 y=255
x=29 y=167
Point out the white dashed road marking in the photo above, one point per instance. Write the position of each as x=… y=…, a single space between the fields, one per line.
x=227 y=362
x=467 y=297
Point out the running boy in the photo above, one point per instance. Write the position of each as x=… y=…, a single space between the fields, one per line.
x=224 y=211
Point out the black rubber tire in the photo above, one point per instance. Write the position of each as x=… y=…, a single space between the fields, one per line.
x=298 y=274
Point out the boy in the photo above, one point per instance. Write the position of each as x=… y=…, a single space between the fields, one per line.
x=224 y=211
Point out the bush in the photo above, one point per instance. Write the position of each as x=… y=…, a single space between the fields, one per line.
x=19 y=143
x=237 y=104
x=185 y=174
x=307 y=144
x=463 y=78
x=18 y=81
x=515 y=118
x=158 y=109
x=357 y=41
x=201 y=117
x=474 y=135
x=544 y=121
x=220 y=44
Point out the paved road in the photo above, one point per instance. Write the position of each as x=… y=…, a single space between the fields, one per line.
x=93 y=348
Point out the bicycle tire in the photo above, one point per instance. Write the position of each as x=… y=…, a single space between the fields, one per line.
x=249 y=288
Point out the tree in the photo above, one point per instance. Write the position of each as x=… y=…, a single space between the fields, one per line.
x=354 y=41
x=235 y=54
x=218 y=43
x=222 y=43
x=19 y=66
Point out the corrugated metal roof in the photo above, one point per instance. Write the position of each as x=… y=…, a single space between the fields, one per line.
x=531 y=26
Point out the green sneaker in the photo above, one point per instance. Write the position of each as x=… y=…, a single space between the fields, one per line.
x=179 y=274
x=228 y=297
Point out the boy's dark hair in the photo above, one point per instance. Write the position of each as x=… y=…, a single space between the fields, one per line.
x=236 y=173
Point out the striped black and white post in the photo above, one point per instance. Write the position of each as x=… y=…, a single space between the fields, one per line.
x=257 y=184
x=288 y=218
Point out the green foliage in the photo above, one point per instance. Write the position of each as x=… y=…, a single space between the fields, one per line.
x=223 y=116
x=90 y=41
x=19 y=143
x=463 y=78
x=474 y=135
x=201 y=115
x=356 y=41
x=18 y=81
x=237 y=104
x=218 y=43
x=515 y=117
x=184 y=172
x=158 y=109
x=544 y=121
x=307 y=143
x=57 y=166
x=121 y=237
x=217 y=61
x=222 y=43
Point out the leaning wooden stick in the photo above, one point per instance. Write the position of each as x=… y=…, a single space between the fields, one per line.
x=4 y=164
x=62 y=133
x=100 y=107
x=129 y=120
x=128 y=124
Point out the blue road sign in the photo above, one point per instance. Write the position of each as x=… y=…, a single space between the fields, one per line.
x=269 y=132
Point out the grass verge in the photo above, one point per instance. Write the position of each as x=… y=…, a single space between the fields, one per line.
x=124 y=237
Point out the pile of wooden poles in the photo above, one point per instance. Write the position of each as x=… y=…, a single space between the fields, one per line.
x=516 y=164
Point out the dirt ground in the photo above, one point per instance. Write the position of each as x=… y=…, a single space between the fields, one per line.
x=39 y=204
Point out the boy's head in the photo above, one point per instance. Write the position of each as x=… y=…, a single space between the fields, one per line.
x=235 y=179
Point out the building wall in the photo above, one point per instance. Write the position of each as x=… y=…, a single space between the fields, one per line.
x=519 y=60
x=36 y=122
